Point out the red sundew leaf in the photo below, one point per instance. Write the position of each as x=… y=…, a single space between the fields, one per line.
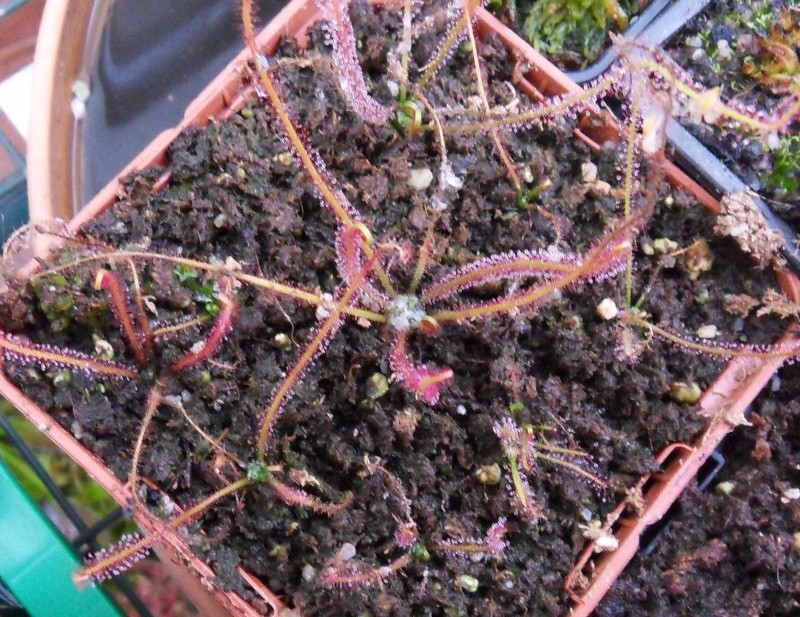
x=496 y=268
x=299 y=498
x=222 y=327
x=421 y=380
x=111 y=283
x=340 y=36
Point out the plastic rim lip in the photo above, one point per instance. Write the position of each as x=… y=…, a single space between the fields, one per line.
x=655 y=26
x=716 y=176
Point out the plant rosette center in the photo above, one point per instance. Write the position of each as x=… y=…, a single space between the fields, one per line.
x=406 y=312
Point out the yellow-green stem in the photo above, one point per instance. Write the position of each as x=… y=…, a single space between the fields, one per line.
x=153 y=401
x=630 y=161
x=779 y=351
x=725 y=110
x=305 y=358
x=248 y=279
x=422 y=262
x=540 y=112
x=144 y=543
x=329 y=196
x=476 y=62
x=444 y=49
x=519 y=486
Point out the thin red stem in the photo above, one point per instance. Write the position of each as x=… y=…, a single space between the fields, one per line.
x=222 y=326
x=111 y=283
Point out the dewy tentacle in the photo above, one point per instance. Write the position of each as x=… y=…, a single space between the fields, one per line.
x=706 y=104
x=551 y=112
x=328 y=191
x=450 y=41
x=340 y=36
x=107 y=563
x=356 y=573
x=299 y=498
x=350 y=260
x=787 y=351
x=331 y=196
x=493 y=545
x=511 y=265
x=605 y=259
x=14 y=349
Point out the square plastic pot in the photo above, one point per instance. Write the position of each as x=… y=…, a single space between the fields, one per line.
x=735 y=388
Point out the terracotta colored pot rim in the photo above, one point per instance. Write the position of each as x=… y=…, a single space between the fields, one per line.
x=734 y=389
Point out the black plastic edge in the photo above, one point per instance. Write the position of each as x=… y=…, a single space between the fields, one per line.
x=655 y=24
x=715 y=176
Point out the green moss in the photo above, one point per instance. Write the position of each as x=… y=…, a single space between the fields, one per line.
x=553 y=25
x=785 y=173
x=58 y=308
x=203 y=292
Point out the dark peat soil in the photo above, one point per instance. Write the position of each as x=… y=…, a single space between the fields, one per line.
x=235 y=192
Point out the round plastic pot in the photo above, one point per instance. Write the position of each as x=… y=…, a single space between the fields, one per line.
x=140 y=62
x=56 y=65
x=18 y=22
x=735 y=388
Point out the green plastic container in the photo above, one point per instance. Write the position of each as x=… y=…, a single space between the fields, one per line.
x=37 y=564
x=13 y=189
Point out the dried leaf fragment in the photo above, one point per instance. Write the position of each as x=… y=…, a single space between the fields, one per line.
x=775 y=303
x=603 y=540
x=742 y=220
x=740 y=304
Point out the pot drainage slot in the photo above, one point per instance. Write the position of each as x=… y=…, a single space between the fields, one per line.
x=705 y=476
